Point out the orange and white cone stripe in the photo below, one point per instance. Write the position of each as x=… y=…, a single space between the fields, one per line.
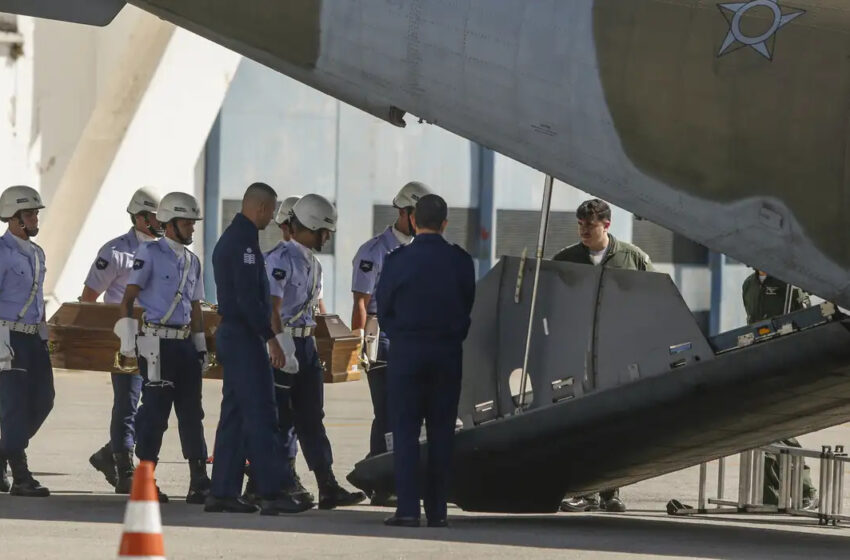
x=142 y=538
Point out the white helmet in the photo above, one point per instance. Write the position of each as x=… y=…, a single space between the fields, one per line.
x=15 y=199
x=178 y=205
x=285 y=208
x=410 y=194
x=315 y=212
x=143 y=201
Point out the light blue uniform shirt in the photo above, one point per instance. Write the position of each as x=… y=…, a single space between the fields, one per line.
x=368 y=263
x=17 y=270
x=157 y=271
x=111 y=269
x=290 y=267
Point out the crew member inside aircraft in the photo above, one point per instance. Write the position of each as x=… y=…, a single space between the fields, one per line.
x=600 y=248
x=425 y=298
x=26 y=376
x=172 y=351
x=247 y=350
x=764 y=298
x=367 y=266
x=295 y=275
x=108 y=275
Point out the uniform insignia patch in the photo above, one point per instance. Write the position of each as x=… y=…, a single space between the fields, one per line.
x=770 y=291
x=101 y=263
x=367 y=266
x=138 y=264
x=249 y=258
x=279 y=274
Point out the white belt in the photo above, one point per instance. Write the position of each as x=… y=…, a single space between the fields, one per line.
x=160 y=331
x=299 y=332
x=19 y=327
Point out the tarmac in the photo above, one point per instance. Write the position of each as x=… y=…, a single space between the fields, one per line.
x=83 y=518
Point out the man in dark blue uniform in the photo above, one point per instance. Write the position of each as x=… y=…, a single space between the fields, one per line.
x=248 y=423
x=425 y=297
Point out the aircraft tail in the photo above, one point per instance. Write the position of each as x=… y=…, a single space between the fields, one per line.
x=91 y=12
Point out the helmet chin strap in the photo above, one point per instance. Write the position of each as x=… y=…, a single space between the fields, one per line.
x=153 y=231
x=179 y=235
x=410 y=231
x=31 y=232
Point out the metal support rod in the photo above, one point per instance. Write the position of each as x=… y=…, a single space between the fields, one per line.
x=789 y=290
x=541 y=246
x=836 y=495
x=743 y=475
x=721 y=477
x=784 y=487
x=822 y=485
x=840 y=487
x=798 y=480
x=703 y=471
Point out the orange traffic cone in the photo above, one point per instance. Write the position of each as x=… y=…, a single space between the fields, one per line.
x=142 y=537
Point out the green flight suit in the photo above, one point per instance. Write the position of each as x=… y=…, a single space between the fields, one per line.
x=762 y=301
x=618 y=255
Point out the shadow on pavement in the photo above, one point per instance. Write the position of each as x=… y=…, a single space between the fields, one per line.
x=605 y=533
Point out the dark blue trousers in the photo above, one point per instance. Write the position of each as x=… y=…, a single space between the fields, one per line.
x=424 y=382
x=377 y=378
x=248 y=426
x=126 y=390
x=302 y=406
x=26 y=393
x=179 y=365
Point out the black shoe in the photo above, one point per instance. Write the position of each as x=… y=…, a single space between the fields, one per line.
x=580 y=504
x=229 y=505
x=396 y=521
x=161 y=496
x=613 y=505
x=383 y=499
x=103 y=462
x=23 y=484
x=438 y=522
x=5 y=483
x=125 y=468
x=297 y=491
x=199 y=482
x=332 y=495
x=282 y=504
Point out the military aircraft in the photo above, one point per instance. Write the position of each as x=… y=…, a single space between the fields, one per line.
x=726 y=122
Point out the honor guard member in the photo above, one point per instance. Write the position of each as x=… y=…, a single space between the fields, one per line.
x=366 y=270
x=172 y=352
x=248 y=423
x=295 y=277
x=108 y=276
x=598 y=247
x=425 y=298
x=764 y=298
x=26 y=376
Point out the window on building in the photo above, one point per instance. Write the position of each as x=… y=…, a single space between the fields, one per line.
x=518 y=229
x=665 y=247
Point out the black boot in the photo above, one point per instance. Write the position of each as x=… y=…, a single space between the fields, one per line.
x=229 y=505
x=199 y=482
x=103 y=461
x=282 y=504
x=332 y=495
x=23 y=484
x=124 y=467
x=297 y=490
x=250 y=494
x=5 y=484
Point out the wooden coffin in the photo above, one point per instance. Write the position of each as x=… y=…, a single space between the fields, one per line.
x=339 y=349
x=81 y=336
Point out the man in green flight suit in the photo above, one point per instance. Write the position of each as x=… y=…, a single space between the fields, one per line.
x=764 y=298
x=598 y=247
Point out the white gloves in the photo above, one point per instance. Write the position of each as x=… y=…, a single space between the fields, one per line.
x=6 y=352
x=287 y=344
x=200 y=342
x=126 y=329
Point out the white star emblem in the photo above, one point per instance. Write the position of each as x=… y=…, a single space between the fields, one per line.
x=736 y=39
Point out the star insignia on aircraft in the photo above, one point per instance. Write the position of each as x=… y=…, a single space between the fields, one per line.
x=736 y=39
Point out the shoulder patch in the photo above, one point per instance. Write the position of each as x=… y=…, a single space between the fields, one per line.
x=102 y=263
x=138 y=264
x=279 y=274
x=366 y=266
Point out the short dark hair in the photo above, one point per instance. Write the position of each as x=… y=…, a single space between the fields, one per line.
x=594 y=209
x=431 y=211
x=258 y=191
